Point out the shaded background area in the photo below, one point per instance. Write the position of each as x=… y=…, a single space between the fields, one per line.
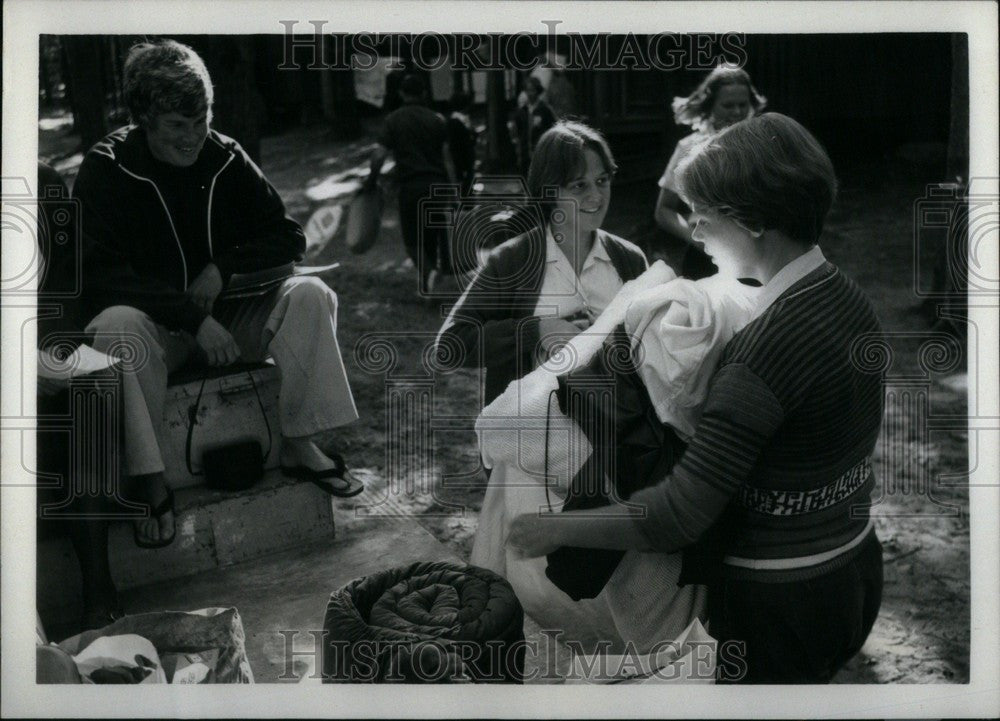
x=863 y=95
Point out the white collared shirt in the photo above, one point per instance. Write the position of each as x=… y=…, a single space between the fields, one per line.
x=563 y=294
x=787 y=277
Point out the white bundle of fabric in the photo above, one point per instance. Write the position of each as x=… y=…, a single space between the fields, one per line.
x=678 y=329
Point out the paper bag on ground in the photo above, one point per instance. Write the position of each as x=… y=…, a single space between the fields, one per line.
x=128 y=650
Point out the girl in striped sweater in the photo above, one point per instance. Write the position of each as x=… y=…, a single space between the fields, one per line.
x=779 y=466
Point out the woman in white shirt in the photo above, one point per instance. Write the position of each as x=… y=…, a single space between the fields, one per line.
x=552 y=281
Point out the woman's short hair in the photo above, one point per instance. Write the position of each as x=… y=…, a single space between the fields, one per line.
x=166 y=77
x=559 y=158
x=696 y=108
x=766 y=173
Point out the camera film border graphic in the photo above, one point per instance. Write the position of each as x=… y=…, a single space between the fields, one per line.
x=959 y=228
x=24 y=224
x=415 y=429
x=954 y=216
x=907 y=422
x=410 y=419
x=964 y=223
x=88 y=426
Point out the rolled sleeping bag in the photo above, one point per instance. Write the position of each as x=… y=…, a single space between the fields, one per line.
x=429 y=622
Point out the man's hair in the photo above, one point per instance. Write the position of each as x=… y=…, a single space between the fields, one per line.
x=166 y=77
x=766 y=173
x=412 y=86
x=559 y=158
x=694 y=109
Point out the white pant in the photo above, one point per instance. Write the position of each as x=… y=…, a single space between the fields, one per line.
x=296 y=324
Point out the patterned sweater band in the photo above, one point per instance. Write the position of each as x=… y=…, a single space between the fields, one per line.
x=795 y=503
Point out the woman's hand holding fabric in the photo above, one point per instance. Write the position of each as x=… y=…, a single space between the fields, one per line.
x=532 y=535
x=583 y=343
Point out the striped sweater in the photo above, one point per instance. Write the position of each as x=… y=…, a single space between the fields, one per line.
x=782 y=446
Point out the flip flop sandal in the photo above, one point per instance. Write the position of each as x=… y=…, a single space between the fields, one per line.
x=317 y=478
x=167 y=504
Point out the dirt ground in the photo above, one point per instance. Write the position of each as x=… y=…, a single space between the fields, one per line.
x=922 y=634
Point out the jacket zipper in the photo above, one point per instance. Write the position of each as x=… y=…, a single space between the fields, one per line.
x=211 y=191
x=169 y=218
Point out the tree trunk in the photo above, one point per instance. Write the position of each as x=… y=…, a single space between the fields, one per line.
x=339 y=102
x=958 y=136
x=85 y=86
x=499 y=148
x=48 y=54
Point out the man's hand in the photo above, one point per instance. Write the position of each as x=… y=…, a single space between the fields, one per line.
x=206 y=287
x=217 y=343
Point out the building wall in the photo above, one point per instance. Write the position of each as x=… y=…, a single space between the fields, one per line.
x=863 y=95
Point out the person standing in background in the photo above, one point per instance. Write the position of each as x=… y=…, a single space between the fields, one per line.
x=462 y=140
x=725 y=97
x=417 y=137
x=531 y=121
x=561 y=95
